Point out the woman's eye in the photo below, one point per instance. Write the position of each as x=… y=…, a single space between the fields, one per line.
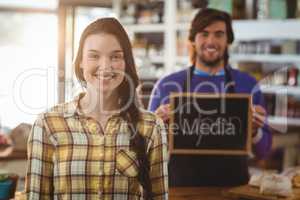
x=117 y=57
x=93 y=56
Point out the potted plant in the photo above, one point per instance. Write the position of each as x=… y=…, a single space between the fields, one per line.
x=5 y=186
x=8 y=183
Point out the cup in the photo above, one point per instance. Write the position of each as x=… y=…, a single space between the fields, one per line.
x=5 y=189
x=8 y=186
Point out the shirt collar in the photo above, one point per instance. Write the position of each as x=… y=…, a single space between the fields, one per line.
x=73 y=108
x=200 y=72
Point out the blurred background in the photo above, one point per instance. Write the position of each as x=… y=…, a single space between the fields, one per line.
x=39 y=38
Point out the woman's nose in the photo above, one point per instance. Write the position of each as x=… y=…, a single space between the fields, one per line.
x=104 y=63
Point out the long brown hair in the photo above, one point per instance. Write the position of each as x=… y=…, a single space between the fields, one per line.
x=204 y=18
x=128 y=100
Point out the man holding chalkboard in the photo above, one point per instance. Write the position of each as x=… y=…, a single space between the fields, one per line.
x=210 y=35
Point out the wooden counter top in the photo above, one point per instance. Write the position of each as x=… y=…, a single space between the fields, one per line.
x=225 y=193
x=197 y=193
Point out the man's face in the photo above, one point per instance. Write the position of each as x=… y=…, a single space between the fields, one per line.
x=211 y=44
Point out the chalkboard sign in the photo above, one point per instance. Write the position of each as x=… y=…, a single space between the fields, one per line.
x=217 y=124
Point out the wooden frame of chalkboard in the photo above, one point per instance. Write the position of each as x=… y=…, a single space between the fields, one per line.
x=230 y=117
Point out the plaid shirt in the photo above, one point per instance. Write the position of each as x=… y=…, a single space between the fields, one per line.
x=68 y=158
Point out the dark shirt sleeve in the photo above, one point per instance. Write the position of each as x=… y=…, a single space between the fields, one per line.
x=262 y=148
x=158 y=96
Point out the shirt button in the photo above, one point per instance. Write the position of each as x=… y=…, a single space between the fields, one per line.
x=93 y=127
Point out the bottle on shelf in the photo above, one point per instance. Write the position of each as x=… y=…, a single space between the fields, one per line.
x=292 y=76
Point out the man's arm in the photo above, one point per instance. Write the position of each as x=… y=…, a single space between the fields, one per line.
x=156 y=97
x=262 y=140
x=159 y=102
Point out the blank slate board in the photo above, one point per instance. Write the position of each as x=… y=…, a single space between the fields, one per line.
x=218 y=124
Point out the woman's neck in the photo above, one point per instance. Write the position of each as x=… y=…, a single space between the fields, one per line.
x=99 y=105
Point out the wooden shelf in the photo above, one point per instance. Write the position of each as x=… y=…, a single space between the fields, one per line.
x=283 y=121
x=249 y=30
x=280 y=58
x=182 y=59
x=152 y=59
x=268 y=29
x=280 y=89
x=146 y=28
x=14 y=154
x=156 y=59
x=254 y=58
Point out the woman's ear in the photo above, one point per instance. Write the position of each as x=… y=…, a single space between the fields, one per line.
x=81 y=68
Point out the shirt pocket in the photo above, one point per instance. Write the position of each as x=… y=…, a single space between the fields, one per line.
x=127 y=163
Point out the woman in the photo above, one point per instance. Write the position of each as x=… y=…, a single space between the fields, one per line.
x=99 y=146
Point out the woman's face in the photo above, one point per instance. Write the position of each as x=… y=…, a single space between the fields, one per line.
x=103 y=62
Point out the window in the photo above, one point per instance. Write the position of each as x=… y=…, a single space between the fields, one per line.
x=29 y=57
x=28 y=49
x=46 y=4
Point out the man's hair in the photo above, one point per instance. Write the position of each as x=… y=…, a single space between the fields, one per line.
x=206 y=17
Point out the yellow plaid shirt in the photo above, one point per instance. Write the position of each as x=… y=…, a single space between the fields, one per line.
x=69 y=158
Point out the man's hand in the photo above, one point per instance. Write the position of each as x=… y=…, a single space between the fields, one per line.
x=163 y=111
x=259 y=116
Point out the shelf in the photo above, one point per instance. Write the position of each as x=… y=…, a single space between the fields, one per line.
x=182 y=59
x=151 y=59
x=145 y=28
x=254 y=58
x=245 y=30
x=280 y=58
x=280 y=89
x=182 y=26
x=283 y=121
x=249 y=30
x=156 y=59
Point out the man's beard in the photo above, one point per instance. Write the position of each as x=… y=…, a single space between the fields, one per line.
x=212 y=63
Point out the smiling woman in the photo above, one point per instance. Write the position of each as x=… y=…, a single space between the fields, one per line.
x=101 y=145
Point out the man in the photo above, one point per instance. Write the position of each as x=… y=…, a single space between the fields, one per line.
x=210 y=35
